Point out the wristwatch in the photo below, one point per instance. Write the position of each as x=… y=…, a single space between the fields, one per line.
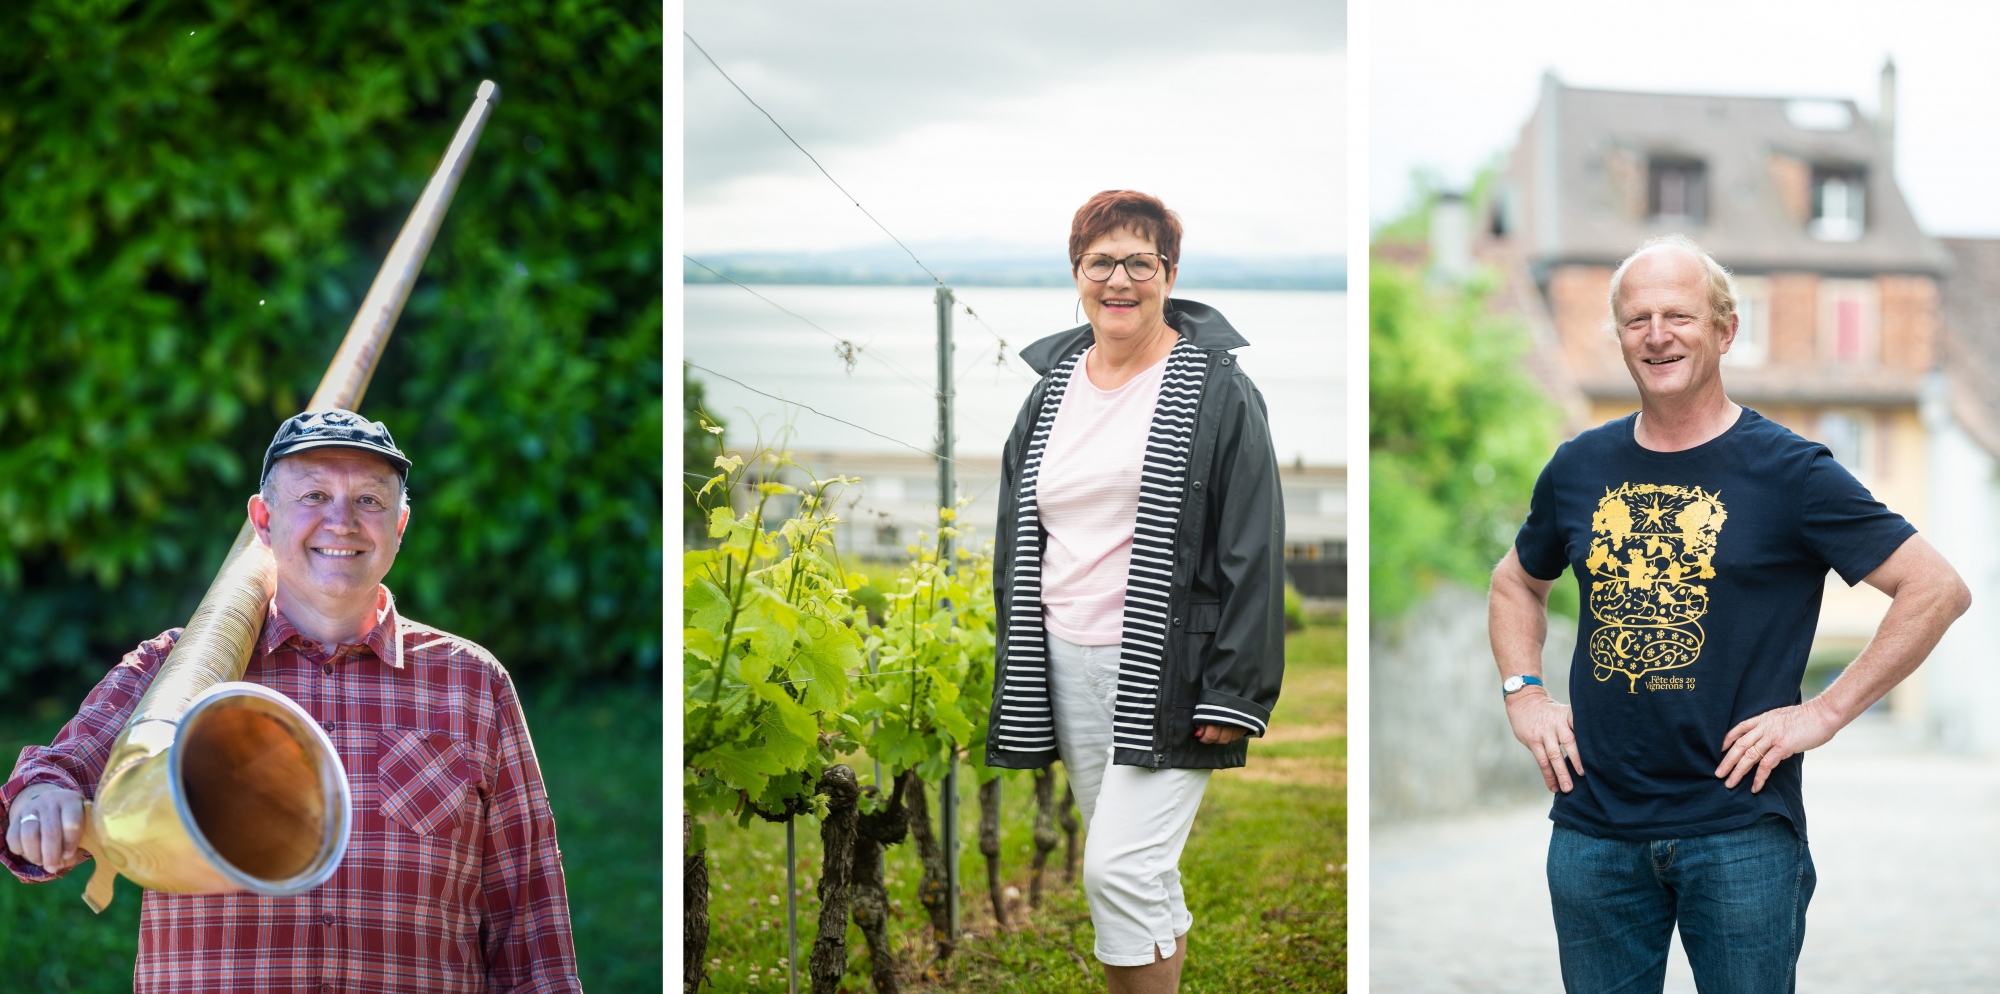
x=1514 y=683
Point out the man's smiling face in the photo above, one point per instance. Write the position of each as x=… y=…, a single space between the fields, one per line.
x=333 y=518
x=1666 y=329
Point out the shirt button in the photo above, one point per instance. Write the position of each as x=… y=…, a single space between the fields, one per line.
x=327 y=917
x=326 y=989
x=326 y=668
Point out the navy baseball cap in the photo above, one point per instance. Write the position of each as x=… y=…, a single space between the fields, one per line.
x=335 y=429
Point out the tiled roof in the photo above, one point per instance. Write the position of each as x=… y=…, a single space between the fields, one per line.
x=1592 y=207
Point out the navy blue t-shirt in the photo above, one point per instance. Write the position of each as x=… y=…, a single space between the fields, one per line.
x=1700 y=574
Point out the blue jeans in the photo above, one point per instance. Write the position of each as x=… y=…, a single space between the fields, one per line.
x=1739 y=897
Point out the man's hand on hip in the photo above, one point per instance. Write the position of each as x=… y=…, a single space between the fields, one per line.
x=44 y=824
x=1761 y=743
x=1547 y=729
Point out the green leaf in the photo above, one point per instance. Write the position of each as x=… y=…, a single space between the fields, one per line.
x=743 y=768
x=954 y=724
x=768 y=622
x=826 y=659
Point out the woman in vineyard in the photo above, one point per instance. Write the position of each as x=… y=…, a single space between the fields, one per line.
x=1139 y=578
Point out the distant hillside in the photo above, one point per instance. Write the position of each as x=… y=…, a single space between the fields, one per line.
x=889 y=266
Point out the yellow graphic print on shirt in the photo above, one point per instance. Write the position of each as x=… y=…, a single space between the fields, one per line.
x=1650 y=545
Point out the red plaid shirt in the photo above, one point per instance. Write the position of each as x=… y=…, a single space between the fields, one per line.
x=452 y=880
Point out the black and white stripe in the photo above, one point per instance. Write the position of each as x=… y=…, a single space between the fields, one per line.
x=1026 y=720
x=1209 y=714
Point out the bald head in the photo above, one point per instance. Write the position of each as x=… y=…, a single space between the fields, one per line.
x=1676 y=251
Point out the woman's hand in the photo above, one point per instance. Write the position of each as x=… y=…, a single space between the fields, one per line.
x=44 y=825
x=1216 y=735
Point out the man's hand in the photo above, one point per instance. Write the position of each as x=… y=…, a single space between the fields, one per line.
x=1546 y=728
x=1761 y=743
x=1926 y=596
x=44 y=824
x=1218 y=734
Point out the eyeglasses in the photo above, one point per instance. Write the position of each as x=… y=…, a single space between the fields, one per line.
x=1140 y=266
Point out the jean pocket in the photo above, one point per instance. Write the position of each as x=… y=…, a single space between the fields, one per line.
x=422 y=778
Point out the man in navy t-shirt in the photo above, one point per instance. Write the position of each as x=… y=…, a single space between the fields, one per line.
x=1701 y=534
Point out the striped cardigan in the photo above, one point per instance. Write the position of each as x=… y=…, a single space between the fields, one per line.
x=1024 y=719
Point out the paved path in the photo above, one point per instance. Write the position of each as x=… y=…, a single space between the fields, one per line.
x=1906 y=842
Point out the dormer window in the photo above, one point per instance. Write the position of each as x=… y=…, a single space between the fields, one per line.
x=1838 y=204
x=1677 y=191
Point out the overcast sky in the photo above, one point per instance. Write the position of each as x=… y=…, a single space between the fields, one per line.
x=989 y=124
x=1452 y=82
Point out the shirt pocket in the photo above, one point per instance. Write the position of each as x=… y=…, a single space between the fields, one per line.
x=421 y=777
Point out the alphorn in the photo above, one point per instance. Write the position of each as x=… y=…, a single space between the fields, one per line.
x=217 y=785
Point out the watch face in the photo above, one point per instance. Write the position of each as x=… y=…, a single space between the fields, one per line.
x=1513 y=683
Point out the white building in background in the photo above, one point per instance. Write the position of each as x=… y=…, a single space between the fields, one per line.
x=896 y=498
x=1961 y=413
x=1316 y=529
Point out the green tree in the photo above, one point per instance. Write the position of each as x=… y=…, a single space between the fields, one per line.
x=1457 y=433
x=197 y=197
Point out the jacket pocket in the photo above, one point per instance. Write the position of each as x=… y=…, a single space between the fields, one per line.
x=421 y=777
x=1192 y=648
x=1204 y=616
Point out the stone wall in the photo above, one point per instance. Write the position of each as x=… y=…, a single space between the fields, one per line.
x=1439 y=741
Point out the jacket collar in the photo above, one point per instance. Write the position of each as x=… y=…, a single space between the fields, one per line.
x=1200 y=324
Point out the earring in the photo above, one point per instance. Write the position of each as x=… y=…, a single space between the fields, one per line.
x=1077 y=315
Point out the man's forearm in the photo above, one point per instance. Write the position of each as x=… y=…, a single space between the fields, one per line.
x=1917 y=619
x=1517 y=622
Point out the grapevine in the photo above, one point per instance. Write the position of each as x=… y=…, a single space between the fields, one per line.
x=788 y=679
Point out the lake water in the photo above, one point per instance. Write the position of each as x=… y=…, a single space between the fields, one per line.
x=1297 y=357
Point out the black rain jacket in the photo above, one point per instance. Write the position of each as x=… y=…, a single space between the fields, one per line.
x=1227 y=641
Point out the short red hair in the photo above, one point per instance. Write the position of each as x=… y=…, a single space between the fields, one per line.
x=1114 y=209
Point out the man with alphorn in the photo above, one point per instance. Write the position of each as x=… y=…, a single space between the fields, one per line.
x=1701 y=534
x=452 y=880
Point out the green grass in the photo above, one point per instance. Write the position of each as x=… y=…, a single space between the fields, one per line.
x=600 y=756
x=1264 y=871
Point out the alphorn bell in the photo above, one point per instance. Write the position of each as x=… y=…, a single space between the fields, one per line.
x=217 y=785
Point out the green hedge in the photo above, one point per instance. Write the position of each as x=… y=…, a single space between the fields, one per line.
x=197 y=195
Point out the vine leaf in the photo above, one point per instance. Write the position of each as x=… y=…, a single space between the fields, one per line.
x=827 y=658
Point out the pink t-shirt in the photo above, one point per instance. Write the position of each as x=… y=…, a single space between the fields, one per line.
x=1088 y=493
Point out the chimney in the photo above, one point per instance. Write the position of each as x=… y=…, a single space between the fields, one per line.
x=1451 y=238
x=1885 y=114
x=1548 y=167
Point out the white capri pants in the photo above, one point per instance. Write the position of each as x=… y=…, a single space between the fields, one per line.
x=1131 y=857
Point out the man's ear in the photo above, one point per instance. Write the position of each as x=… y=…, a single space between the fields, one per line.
x=1729 y=334
x=260 y=518
x=402 y=522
